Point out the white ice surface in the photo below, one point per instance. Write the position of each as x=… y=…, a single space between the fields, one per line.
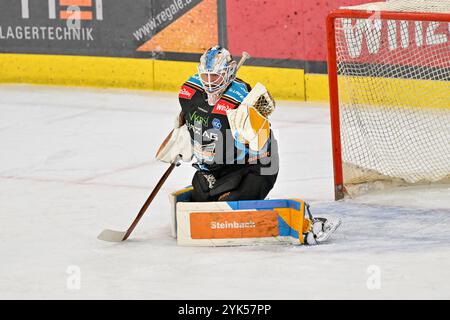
x=75 y=161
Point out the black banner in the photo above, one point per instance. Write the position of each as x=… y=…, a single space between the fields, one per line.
x=114 y=28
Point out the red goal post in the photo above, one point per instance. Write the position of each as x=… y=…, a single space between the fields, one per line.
x=339 y=187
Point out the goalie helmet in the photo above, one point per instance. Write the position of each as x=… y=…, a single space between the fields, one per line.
x=216 y=70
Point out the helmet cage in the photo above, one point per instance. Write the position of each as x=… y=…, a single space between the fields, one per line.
x=217 y=71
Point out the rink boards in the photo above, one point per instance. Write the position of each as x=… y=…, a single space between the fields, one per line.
x=237 y=223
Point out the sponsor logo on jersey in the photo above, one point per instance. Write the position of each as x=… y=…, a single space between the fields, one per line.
x=195 y=117
x=204 y=153
x=257 y=157
x=222 y=107
x=235 y=92
x=216 y=124
x=207 y=135
x=186 y=92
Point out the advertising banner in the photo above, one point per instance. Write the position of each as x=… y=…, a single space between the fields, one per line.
x=111 y=28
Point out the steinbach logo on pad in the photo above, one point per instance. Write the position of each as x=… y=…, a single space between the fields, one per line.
x=233 y=224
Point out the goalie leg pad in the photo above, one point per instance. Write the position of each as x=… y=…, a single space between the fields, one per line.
x=232 y=223
x=238 y=222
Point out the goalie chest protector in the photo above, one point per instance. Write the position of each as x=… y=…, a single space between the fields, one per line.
x=210 y=131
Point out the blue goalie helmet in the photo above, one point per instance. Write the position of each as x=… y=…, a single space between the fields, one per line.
x=216 y=70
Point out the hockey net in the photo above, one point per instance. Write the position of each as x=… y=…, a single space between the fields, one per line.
x=389 y=70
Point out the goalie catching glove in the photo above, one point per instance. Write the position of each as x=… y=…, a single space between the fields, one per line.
x=249 y=122
x=177 y=145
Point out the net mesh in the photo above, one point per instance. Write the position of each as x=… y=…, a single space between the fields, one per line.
x=394 y=93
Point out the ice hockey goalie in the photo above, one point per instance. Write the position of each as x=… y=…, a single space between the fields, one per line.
x=224 y=126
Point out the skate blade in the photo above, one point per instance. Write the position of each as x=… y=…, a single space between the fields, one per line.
x=111 y=236
x=335 y=224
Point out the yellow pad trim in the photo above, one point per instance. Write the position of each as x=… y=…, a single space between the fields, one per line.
x=260 y=125
x=294 y=219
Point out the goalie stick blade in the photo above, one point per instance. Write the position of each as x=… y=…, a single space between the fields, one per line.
x=111 y=235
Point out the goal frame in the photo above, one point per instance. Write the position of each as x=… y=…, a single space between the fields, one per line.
x=339 y=189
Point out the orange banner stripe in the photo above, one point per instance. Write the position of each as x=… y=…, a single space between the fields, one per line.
x=82 y=3
x=83 y=15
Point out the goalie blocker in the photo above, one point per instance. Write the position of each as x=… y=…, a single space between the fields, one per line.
x=233 y=223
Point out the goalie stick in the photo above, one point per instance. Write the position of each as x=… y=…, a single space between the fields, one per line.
x=245 y=57
x=119 y=236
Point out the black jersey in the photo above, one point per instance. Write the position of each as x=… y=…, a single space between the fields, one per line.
x=213 y=142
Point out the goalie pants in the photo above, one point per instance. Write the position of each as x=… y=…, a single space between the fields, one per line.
x=244 y=183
